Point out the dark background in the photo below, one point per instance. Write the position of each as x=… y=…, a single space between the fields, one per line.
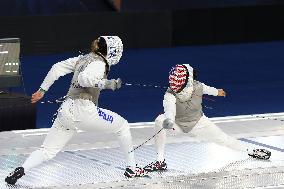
x=52 y=26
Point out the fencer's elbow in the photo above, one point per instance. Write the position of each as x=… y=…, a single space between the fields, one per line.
x=56 y=67
x=53 y=69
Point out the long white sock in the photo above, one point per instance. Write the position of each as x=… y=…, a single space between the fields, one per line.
x=125 y=140
x=36 y=158
x=160 y=139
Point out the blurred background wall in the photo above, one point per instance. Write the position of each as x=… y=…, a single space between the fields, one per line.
x=234 y=44
x=49 y=26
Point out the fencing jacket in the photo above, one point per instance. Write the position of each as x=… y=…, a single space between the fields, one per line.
x=187 y=113
x=88 y=79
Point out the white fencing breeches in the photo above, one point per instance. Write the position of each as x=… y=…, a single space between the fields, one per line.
x=83 y=115
x=205 y=130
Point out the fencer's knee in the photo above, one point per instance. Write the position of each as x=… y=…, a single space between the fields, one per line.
x=224 y=140
x=125 y=129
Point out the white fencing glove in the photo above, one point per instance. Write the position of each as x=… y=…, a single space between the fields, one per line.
x=168 y=124
x=113 y=84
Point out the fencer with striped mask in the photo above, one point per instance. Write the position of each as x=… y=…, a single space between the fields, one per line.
x=183 y=114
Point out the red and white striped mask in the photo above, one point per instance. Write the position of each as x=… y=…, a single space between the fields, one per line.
x=178 y=77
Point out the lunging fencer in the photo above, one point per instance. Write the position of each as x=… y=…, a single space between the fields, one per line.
x=80 y=110
x=183 y=114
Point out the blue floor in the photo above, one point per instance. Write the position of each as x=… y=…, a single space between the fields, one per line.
x=252 y=75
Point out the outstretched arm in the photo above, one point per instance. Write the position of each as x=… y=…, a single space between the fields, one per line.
x=169 y=104
x=57 y=70
x=93 y=76
x=213 y=91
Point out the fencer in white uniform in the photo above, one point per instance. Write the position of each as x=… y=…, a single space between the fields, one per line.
x=80 y=110
x=183 y=114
